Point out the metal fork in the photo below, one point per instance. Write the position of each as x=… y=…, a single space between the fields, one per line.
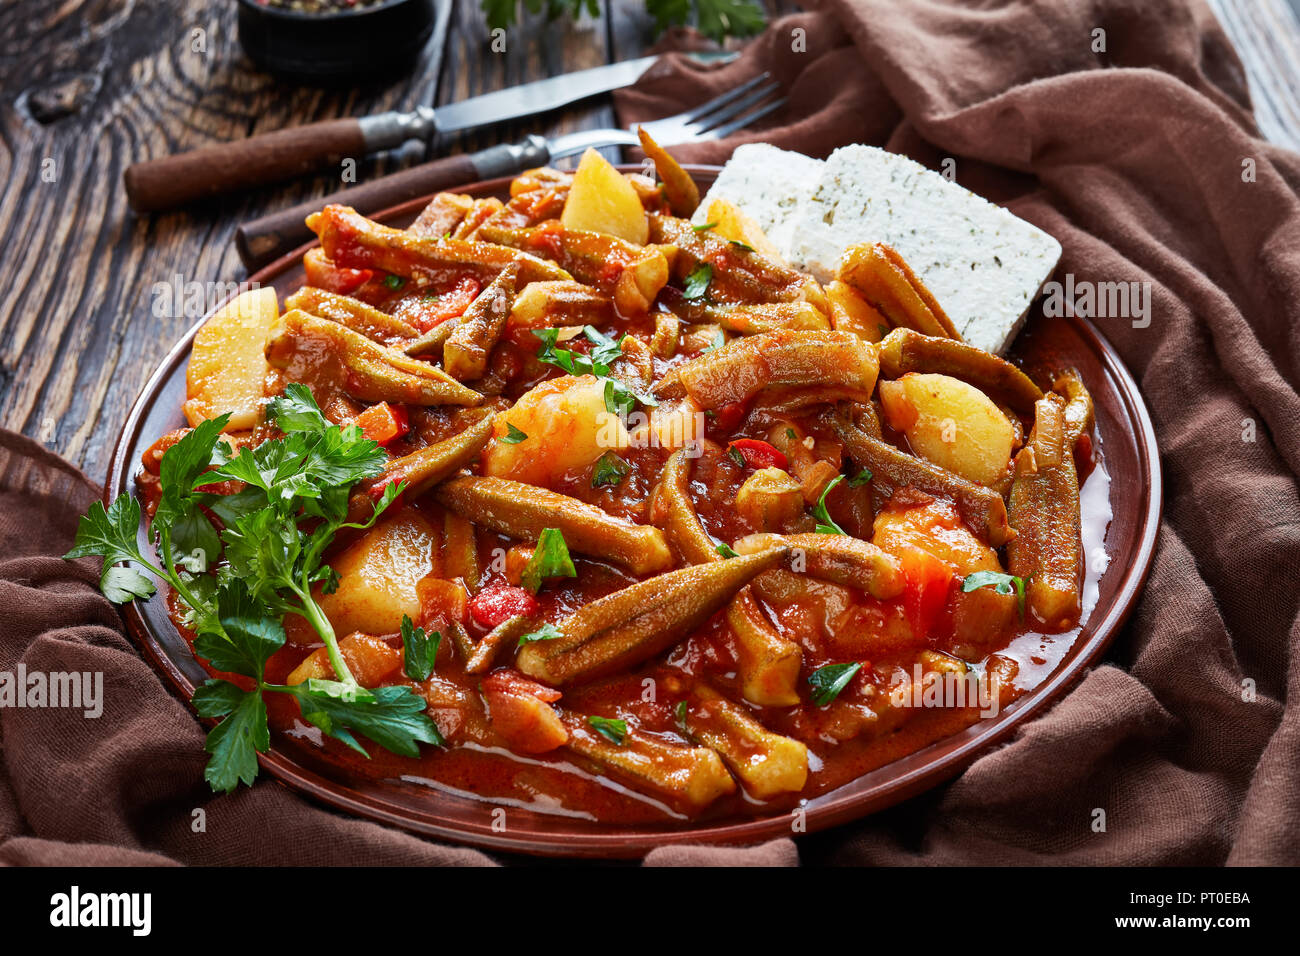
x=263 y=240
x=718 y=118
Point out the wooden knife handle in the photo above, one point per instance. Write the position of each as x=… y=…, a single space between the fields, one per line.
x=260 y=241
x=218 y=170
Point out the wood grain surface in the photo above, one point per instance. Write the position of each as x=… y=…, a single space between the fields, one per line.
x=87 y=289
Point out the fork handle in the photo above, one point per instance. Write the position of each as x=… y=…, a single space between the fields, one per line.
x=262 y=240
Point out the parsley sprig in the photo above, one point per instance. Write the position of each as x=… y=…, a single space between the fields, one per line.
x=825 y=523
x=550 y=559
x=610 y=470
x=619 y=399
x=613 y=730
x=266 y=562
x=547 y=632
x=828 y=681
x=697 y=283
x=419 y=650
x=1001 y=583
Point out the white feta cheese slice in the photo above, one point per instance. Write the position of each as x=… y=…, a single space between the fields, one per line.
x=984 y=265
x=769 y=184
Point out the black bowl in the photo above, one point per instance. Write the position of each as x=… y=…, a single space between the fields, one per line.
x=368 y=42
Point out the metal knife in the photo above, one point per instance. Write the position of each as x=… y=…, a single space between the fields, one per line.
x=274 y=157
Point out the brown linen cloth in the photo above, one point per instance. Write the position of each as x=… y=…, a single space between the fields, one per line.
x=1133 y=158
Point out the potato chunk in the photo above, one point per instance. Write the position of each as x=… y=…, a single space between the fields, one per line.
x=671 y=425
x=601 y=200
x=937 y=529
x=980 y=615
x=566 y=427
x=370 y=659
x=730 y=222
x=521 y=712
x=951 y=423
x=378 y=576
x=227 y=369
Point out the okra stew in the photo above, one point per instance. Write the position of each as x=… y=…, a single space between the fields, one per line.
x=565 y=501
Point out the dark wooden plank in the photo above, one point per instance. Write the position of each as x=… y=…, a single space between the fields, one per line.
x=1266 y=34
x=78 y=330
x=536 y=48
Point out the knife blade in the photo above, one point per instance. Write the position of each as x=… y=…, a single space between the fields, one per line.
x=262 y=240
x=221 y=169
x=540 y=96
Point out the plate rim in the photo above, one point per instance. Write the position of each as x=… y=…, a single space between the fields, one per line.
x=634 y=842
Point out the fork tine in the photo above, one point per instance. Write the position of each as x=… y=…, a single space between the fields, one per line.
x=710 y=120
x=707 y=122
x=721 y=100
x=720 y=132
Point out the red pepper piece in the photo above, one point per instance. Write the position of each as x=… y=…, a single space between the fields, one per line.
x=383 y=423
x=760 y=454
x=499 y=602
x=449 y=305
x=927 y=581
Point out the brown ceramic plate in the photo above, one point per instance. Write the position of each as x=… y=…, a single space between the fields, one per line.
x=1127 y=485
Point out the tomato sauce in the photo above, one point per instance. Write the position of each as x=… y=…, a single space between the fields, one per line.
x=928 y=662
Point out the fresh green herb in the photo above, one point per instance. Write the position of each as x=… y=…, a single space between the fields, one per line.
x=719 y=340
x=550 y=559
x=703 y=227
x=734 y=454
x=265 y=563
x=418 y=650
x=610 y=470
x=860 y=479
x=112 y=533
x=740 y=245
x=513 y=435
x=235 y=742
x=394 y=282
x=619 y=399
x=575 y=363
x=791 y=434
x=610 y=729
x=697 y=282
x=1001 y=583
x=605 y=349
x=547 y=632
x=716 y=19
x=826 y=524
x=680 y=711
x=393 y=717
x=726 y=550
x=828 y=681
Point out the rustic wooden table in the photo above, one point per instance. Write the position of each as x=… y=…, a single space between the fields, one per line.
x=93 y=85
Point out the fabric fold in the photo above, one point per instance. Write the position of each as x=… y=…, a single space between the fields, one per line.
x=1142 y=158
